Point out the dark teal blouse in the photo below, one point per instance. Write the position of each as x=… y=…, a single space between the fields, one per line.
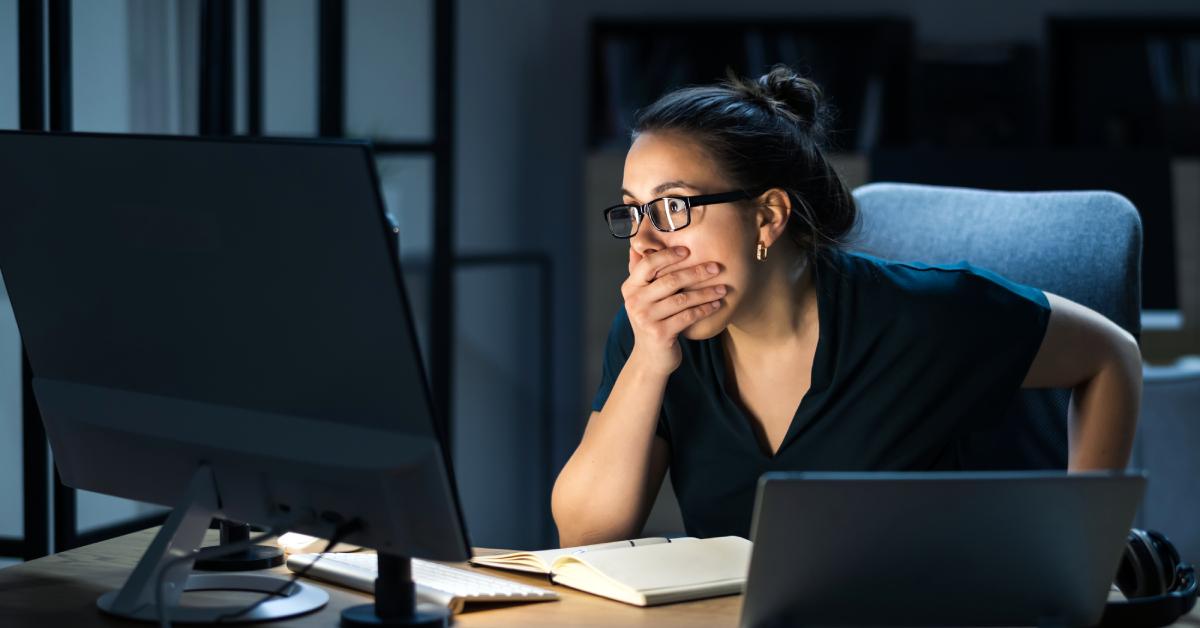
x=910 y=358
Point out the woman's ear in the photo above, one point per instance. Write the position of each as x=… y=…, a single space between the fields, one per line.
x=774 y=209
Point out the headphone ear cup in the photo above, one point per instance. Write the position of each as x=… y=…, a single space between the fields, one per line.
x=1144 y=571
x=1159 y=587
x=1168 y=556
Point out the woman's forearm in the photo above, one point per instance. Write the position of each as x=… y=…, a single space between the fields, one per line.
x=1104 y=412
x=606 y=488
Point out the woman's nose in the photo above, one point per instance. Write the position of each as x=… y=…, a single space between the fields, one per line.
x=647 y=239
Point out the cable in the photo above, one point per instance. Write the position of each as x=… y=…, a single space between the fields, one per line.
x=340 y=533
x=164 y=619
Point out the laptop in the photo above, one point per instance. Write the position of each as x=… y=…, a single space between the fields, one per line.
x=934 y=548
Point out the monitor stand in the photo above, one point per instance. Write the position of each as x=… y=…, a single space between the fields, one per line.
x=253 y=557
x=179 y=537
x=395 y=600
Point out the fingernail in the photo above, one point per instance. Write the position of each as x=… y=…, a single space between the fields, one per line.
x=720 y=290
x=680 y=251
x=711 y=268
x=716 y=304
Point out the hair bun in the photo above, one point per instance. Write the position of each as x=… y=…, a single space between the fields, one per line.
x=795 y=92
x=787 y=93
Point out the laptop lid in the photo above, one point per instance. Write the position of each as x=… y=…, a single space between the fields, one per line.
x=990 y=548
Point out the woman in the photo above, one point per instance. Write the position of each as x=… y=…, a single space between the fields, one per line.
x=750 y=341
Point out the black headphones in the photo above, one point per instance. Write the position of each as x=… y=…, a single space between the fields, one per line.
x=1160 y=587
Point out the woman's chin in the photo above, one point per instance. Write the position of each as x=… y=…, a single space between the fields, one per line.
x=705 y=328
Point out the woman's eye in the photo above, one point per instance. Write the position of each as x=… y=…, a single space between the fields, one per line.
x=676 y=206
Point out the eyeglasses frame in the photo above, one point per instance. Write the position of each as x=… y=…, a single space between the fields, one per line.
x=699 y=200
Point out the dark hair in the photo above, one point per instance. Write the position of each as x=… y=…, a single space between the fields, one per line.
x=766 y=133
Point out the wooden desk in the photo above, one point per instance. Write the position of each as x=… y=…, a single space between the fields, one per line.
x=61 y=590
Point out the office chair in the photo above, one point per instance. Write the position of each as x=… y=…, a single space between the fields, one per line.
x=1085 y=246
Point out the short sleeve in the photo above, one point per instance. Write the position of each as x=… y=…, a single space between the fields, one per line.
x=616 y=352
x=988 y=331
x=1016 y=315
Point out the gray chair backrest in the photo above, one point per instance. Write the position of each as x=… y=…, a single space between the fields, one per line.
x=1085 y=246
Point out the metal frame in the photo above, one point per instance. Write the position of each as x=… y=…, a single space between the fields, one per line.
x=331 y=45
x=31 y=37
x=254 y=69
x=59 y=50
x=216 y=67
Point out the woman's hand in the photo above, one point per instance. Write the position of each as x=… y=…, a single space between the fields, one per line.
x=660 y=303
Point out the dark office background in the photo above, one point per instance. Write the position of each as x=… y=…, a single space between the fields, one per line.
x=500 y=127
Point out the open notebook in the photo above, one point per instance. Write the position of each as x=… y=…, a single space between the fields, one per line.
x=643 y=572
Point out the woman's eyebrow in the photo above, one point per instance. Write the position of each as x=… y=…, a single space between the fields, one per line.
x=662 y=187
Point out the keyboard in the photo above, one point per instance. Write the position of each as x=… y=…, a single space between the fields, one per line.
x=449 y=587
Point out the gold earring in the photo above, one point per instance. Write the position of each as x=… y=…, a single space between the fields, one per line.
x=760 y=253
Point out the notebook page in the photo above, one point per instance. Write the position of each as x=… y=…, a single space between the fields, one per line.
x=550 y=555
x=714 y=563
x=525 y=561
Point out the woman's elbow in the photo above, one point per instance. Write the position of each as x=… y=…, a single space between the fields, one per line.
x=1124 y=359
x=568 y=506
x=562 y=505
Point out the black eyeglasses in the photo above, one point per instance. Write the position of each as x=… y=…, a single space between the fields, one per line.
x=669 y=213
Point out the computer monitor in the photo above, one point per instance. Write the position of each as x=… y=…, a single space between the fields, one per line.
x=221 y=326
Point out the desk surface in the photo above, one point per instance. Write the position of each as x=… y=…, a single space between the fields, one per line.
x=61 y=590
